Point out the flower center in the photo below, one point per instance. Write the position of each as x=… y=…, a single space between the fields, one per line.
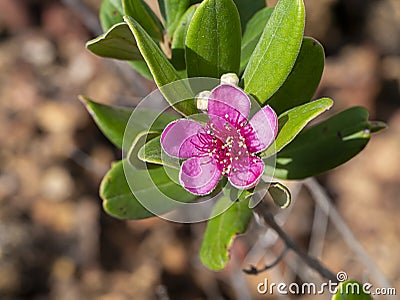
x=226 y=147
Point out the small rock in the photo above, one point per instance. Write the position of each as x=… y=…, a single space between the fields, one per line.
x=58 y=117
x=38 y=51
x=63 y=269
x=174 y=257
x=56 y=184
x=57 y=216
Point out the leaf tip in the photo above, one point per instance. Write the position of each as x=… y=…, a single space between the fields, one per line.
x=83 y=99
x=88 y=44
x=128 y=19
x=87 y=103
x=280 y=194
x=376 y=126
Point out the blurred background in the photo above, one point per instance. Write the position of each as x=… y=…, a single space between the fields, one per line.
x=57 y=243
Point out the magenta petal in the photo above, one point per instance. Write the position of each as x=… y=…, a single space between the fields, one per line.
x=265 y=128
x=228 y=103
x=199 y=175
x=179 y=138
x=246 y=172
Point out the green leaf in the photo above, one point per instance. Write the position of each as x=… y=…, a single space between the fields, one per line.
x=111 y=13
x=303 y=81
x=118 y=42
x=291 y=122
x=247 y=9
x=222 y=229
x=141 y=139
x=141 y=67
x=113 y=121
x=152 y=153
x=213 y=40
x=142 y=13
x=326 y=145
x=351 y=290
x=277 y=50
x=145 y=122
x=174 y=10
x=178 y=40
x=161 y=5
x=280 y=194
x=149 y=185
x=251 y=36
x=163 y=71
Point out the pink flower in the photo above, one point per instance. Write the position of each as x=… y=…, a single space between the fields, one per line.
x=225 y=146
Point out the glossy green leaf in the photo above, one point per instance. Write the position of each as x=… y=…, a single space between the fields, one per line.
x=163 y=71
x=326 y=145
x=141 y=67
x=174 y=10
x=152 y=152
x=252 y=34
x=113 y=121
x=142 y=13
x=141 y=139
x=304 y=78
x=153 y=183
x=280 y=194
x=222 y=229
x=178 y=40
x=111 y=13
x=276 y=51
x=247 y=9
x=291 y=122
x=147 y=123
x=118 y=42
x=161 y=5
x=351 y=290
x=213 y=40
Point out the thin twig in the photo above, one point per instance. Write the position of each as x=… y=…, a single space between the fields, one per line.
x=268 y=237
x=318 y=231
x=263 y=210
x=254 y=271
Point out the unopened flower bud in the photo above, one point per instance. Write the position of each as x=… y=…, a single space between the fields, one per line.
x=202 y=100
x=230 y=78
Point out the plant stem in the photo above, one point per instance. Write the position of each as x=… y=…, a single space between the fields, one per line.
x=254 y=271
x=263 y=210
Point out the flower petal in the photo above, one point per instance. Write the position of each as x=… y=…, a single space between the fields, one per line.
x=180 y=137
x=199 y=175
x=265 y=128
x=246 y=172
x=228 y=103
